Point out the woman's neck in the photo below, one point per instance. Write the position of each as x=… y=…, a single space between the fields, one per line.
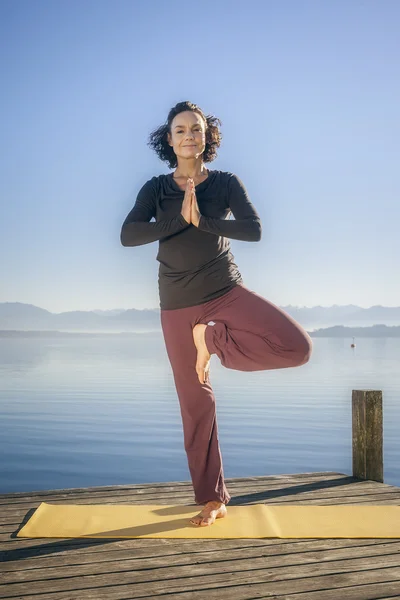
x=194 y=174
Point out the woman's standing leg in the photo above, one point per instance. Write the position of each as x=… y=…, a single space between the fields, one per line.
x=197 y=405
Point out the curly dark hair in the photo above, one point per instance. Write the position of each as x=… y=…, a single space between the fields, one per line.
x=158 y=140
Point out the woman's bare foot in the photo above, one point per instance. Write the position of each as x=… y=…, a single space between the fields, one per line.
x=203 y=356
x=211 y=511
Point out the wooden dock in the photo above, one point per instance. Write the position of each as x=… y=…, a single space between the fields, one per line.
x=201 y=569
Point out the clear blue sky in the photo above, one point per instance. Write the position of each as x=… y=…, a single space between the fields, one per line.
x=308 y=93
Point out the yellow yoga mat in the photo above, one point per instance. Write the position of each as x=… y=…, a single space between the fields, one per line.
x=250 y=521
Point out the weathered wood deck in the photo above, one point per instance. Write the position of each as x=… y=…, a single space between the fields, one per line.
x=187 y=569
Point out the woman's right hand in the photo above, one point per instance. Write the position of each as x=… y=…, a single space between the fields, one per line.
x=187 y=201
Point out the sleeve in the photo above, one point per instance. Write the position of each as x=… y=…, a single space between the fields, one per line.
x=247 y=224
x=137 y=230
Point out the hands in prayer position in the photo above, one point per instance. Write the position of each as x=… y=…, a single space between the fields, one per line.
x=190 y=208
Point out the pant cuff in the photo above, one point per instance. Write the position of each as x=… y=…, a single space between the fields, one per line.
x=225 y=500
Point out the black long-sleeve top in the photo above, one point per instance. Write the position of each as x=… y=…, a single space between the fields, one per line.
x=196 y=263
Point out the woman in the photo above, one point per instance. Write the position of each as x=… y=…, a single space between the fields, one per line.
x=199 y=282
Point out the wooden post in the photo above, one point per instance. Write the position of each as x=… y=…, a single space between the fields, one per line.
x=367 y=434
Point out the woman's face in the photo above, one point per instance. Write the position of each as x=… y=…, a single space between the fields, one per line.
x=188 y=135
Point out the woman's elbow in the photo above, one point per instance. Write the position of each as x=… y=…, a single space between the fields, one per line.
x=257 y=230
x=124 y=237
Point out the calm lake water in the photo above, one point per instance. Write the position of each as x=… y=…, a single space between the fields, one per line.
x=80 y=412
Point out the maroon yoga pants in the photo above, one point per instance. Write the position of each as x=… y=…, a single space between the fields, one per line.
x=250 y=334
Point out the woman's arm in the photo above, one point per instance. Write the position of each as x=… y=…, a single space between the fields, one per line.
x=137 y=230
x=247 y=223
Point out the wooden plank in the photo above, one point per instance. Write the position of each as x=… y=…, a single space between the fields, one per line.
x=242 y=558
x=40 y=557
x=222 y=581
x=296 y=477
x=357 y=592
x=18 y=548
x=287 y=488
x=367 y=431
x=167 y=490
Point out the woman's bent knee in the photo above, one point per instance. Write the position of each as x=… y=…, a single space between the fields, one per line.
x=306 y=351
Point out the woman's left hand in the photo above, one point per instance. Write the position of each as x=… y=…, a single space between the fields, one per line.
x=195 y=213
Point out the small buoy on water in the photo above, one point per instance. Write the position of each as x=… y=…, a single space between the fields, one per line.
x=353 y=344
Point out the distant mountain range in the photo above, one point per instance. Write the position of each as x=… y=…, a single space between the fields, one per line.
x=335 y=321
